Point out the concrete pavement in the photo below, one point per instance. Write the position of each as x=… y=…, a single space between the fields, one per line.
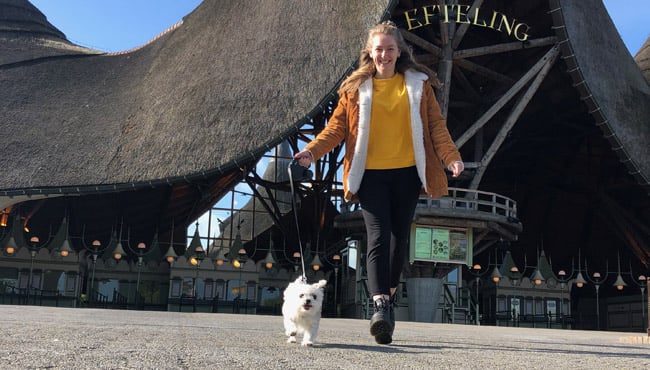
x=64 y=338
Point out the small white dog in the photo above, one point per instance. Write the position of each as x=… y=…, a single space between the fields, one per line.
x=301 y=310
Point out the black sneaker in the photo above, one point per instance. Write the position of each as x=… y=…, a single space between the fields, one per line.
x=382 y=322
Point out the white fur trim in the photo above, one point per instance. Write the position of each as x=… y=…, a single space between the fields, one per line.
x=358 y=164
x=414 y=81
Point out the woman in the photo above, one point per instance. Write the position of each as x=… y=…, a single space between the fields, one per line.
x=396 y=143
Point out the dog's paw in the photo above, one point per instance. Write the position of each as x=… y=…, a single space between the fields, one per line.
x=292 y=339
x=306 y=344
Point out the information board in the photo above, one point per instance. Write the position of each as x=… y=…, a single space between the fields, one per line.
x=441 y=244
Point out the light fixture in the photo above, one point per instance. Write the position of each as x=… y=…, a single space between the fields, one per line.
x=269 y=260
x=619 y=283
x=171 y=255
x=11 y=246
x=580 y=280
x=221 y=257
x=199 y=252
x=34 y=240
x=65 y=248
x=4 y=217
x=496 y=275
x=118 y=252
x=537 y=277
x=241 y=257
x=316 y=263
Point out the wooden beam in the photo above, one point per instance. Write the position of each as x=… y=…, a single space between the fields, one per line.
x=504 y=99
x=422 y=43
x=504 y=48
x=483 y=71
x=507 y=235
x=549 y=59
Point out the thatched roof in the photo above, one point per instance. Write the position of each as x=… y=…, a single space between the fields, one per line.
x=642 y=58
x=608 y=80
x=26 y=35
x=220 y=89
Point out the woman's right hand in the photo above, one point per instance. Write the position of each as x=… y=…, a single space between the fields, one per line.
x=305 y=158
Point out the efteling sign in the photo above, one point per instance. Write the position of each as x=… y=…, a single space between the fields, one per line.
x=420 y=17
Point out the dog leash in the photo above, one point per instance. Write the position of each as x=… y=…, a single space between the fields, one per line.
x=295 y=215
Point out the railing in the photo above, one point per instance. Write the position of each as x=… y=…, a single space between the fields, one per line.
x=472 y=200
x=38 y=297
x=449 y=305
x=214 y=305
x=364 y=298
x=452 y=306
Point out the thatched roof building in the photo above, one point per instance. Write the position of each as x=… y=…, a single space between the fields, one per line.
x=169 y=128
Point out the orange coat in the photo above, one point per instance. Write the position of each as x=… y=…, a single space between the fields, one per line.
x=350 y=122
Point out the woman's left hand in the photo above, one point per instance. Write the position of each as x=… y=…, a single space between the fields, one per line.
x=456 y=168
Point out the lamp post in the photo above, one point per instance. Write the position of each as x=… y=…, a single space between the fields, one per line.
x=33 y=250
x=643 y=283
x=336 y=260
x=496 y=278
x=597 y=279
x=141 y=252
x=597 y=282
x=475 y=271
x=563 y=279
x=195 y=260
x=515 y=280
x=242 y=257
x=95 y=251
x=198 y=254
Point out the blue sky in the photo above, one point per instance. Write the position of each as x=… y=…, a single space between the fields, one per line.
x=118 y=25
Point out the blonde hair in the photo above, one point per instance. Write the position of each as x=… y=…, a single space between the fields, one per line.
x=366 y=66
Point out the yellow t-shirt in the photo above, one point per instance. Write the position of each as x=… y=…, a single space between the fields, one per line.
x=390 y=144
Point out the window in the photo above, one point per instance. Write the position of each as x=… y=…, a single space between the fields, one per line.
x=207 y=289
x=175 y=291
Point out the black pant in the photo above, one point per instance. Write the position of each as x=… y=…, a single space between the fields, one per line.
x=388 y=199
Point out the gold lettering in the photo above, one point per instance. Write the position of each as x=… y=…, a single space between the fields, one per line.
x=521 y=36
x=476 y=13
x=428 y=14
x=447 y=14
x=409 y=19
x=459 y=13
x=509 y=27
x=494 y=17
x=424 y=16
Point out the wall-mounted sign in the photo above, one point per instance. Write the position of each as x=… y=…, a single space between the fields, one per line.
x=459 y=13
x=441 y=244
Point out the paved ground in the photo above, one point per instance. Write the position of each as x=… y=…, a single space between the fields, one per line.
x=64 y=338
